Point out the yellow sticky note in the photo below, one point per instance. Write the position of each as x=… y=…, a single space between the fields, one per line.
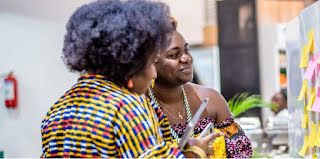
x=311 y=99
x=310 y=46
x=317 y=142
x=304 y=57
x=318 y=137
x=304 y=120
x=304 y=148
x=303 y=90
x=314 y=155
x=313 y=135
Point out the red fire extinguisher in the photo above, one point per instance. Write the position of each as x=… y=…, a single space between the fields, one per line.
x=11 y=91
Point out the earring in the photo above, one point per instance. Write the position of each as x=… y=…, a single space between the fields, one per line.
x=130 y=84
x=152 y=83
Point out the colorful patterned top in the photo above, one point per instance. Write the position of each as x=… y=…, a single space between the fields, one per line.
x=97 y=118
x=237 y=143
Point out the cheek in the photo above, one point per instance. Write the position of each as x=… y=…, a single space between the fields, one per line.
x=152 y=72
x=166 y=68
x=149 y=74
x=191 y=58
x=143 y=80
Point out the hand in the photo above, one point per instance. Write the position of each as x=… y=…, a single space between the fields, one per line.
x=204 y=142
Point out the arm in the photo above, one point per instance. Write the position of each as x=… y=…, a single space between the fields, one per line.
x=237 y=143
x=191 y=151
x=137 y=132
x=217 y=108
x=128 y=130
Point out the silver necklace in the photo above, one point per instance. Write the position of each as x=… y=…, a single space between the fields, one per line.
x=186 y=105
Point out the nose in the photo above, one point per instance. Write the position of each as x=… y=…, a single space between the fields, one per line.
x=186 y=58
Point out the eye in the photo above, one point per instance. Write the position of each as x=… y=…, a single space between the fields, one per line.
x=174 y=54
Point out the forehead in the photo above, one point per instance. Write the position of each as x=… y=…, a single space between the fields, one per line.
x=277 y=96
x=177 y=39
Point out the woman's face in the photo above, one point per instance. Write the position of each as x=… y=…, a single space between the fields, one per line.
x=142 y=80
x=174 y=66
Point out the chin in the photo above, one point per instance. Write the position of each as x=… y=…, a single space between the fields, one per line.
x=186 y=80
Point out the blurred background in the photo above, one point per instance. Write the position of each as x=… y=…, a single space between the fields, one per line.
x=238 y=48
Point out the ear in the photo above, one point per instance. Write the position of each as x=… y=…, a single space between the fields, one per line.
x=130 y=84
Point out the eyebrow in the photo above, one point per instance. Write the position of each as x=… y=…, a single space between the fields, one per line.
x=175 y=48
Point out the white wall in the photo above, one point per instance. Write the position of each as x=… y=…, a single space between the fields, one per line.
x=269 y=63
x=268 y=58
x=53 y=10
x=32 y=48
x=190 y=15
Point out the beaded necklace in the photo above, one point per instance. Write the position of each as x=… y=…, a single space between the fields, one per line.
x=186 y=105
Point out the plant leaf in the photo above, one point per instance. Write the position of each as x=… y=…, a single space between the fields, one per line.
x=240 y=103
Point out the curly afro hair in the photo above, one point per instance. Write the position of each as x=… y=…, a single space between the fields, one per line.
x=115 y=38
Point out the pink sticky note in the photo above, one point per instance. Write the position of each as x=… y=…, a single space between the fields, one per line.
x=316 y=105
x=317 y=56
x=317 y=60
x=310 y=70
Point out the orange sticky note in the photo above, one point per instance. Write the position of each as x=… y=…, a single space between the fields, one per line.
x=304 y=120
x=304 y=57
x=313 y=135
x=311 y=99
x=304 y=148
x=303 y=90
x=310 y=46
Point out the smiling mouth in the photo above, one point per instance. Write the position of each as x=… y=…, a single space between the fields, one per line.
x=186 y=69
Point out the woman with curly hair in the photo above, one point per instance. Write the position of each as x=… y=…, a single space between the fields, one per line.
x=179 y=99
x=115 y=44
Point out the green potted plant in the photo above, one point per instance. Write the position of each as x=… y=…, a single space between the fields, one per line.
x=240 y=103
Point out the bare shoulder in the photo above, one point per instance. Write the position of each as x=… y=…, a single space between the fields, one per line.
x=204 y=92
x=218 y=106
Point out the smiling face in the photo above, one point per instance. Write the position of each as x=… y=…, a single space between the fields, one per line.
x=174 y=66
